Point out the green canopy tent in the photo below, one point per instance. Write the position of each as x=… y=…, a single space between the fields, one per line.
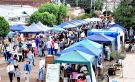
x=77 y=57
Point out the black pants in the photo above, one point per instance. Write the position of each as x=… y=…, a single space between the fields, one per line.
x=18 y=79
x=11 y=76
x=20 y=58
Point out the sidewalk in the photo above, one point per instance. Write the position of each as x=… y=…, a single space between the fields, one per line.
x=2 y=60
x=128 y=71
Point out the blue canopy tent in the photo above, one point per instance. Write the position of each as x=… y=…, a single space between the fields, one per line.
x=89 y=43
x=80 y=48
x=101 y=38
x=17 y=27
x=33 y=28
x=75 y=22
x=77 y=57
x=57 y=28
x=117 y=26
x=110 y=33
x=67 y=25
x=82 y=21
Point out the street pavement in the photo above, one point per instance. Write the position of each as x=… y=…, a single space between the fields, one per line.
x=127 y=74
x=128 y=71
x=4 y=74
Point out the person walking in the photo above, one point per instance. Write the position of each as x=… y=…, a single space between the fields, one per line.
x=41 y=70
x=48 y=46
x=27 y=70
x=56 y=47
x=17 y=72
x=10 y=70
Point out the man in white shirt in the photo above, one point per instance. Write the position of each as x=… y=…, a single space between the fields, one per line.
x=48 y=46
x=41 y=69
x=56 y=47
x=10 y=70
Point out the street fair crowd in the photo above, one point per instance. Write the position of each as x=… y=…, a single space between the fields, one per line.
x=80 y=52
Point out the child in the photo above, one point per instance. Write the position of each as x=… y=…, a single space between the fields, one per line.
x=17 y=74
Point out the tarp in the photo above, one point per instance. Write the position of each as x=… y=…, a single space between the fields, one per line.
x=67 y=25
x=43 y=27
x=33 y=28
x=96 y=48
x=89 y=43
x=117 y=27
x=101 y=38
x=77 y=57
x=17 y=27
x=80 y=48
x=76 y=23
x=57 y=28
x=110 y=33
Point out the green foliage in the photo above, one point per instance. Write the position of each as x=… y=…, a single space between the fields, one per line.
x=99 y=4
x=125 y=15
x=48 y=13
x=4 y=27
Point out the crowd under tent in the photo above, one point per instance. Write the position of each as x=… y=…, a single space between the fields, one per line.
x=78 y=57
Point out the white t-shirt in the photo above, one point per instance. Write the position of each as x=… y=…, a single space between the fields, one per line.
x=56 y=46
x=33 y=44
x=83 y=34
x=41 y=64
x=48 y=44
x=10 y=68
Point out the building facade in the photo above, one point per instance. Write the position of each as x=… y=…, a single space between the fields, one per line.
x=24 y=2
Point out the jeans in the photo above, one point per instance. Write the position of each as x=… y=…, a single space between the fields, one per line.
x=55 y=51
x=40 y=74
x=49 y=51
x=11 y=76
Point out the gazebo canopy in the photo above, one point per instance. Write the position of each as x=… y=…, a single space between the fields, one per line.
x=33 y=28
x=77 y=57
x=117 y=27
x=17 y=27
x=57 y=28
x=101 y=38
x=43 y=27
x=80 y=48
x=67 y=25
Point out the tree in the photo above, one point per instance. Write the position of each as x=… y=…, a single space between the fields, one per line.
x=124 y=15
x=4 y=27
x=45 y=17
x=48 y=13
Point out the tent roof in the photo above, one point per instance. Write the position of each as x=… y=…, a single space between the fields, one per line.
x=57 y=28
x=101 y=38
x=33 y=28
x=77 y=57
x=79 y=48
x=95 y=47
x=89 y=42
x=43 y=27
x=92 y=19
x=117 y=27
x=17 y=27
x=102 y=31
x=67 y=25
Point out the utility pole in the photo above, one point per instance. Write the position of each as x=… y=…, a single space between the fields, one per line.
x=91 y=4
x=21 y=3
